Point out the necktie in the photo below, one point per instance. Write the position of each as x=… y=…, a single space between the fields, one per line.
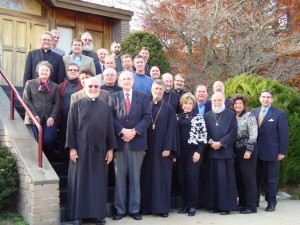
x=261 y=117
x=127 y=104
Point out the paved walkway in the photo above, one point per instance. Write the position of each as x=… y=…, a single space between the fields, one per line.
x=287 y=213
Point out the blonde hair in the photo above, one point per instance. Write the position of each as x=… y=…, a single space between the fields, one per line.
x=186 y=97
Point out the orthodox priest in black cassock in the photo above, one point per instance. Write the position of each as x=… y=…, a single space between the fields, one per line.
x=220 y=193
x=172 y=98
x=156 y=173
x=91 y=132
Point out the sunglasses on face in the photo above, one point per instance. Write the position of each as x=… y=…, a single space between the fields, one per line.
x=95 y=86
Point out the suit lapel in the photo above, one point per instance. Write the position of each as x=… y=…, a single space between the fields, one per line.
x=133 y=101
x=268 y=116
x=122 y=102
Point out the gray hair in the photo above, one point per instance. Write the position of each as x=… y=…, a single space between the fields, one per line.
x=44 y=63
x=46 y=32
x=54 y=31
x=159 y=82
x=180 y=75
x=100 y=49
x=86 y=33
x=123 y=74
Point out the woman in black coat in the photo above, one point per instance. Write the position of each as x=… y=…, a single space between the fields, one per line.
x=193 y=138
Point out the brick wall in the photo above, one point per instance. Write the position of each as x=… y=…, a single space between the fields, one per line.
x=38 y=202
x=120 y=30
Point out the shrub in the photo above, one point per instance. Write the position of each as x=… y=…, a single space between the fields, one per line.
x=285 y=98
x=132 y=44
x=8 y=176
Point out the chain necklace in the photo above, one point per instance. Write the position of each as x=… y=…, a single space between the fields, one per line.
x=217 y=121
x=154 y=121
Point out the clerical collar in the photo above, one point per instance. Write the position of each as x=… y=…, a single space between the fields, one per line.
x=46 y=50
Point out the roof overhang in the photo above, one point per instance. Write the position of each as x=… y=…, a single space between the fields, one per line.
x=91 y=8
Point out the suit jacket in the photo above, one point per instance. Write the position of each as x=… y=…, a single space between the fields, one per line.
x=91 y=54
x=36 y=56
x=273 y=134
x=207 y=107
x=103 y=95
x=41 y=104
x=139 y=118
x=98 y=68
x=59 y=51
x=86 y=62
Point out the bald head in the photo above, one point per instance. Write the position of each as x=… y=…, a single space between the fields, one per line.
x=218 y=87
x=110 y=76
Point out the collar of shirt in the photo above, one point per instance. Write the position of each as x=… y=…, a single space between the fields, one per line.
x=76 y=60
x=266 y=109
x=53 y=49
x=130 y=95
x=201 y=108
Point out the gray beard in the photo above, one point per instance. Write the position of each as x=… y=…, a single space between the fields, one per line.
x=158 y=97
x=88 y=47
x=218 y=109
x=168 y=89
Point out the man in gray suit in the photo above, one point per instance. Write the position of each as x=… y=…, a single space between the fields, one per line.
x=56 y=37
x=77 y=56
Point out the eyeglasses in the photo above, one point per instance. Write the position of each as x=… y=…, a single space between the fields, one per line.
x=72 y=70
x=95 y=86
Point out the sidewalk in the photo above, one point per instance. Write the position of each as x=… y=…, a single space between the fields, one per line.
x=287 y=213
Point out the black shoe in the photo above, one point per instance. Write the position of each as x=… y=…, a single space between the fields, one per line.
x=184 y=210
x=192 y=212
x=100 y=221
x=118 y=216
x=136 y=216
x=224 y=212
x=213 y=211
x=77 y=222
x=270 y=208
x=165 y=215
x=248 y=211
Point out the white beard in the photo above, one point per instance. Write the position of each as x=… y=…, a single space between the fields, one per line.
x=88 y=47
x=168 y=89
x=218 y=109
x=157 y=96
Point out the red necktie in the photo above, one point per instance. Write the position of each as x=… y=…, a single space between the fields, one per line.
x=127 y=103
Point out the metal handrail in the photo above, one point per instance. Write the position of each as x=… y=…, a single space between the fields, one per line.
x=13 y=93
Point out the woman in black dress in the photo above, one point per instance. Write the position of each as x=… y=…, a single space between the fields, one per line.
x=193 y=138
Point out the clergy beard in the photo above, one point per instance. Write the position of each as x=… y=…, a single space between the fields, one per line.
x=157 y=97
x=218 y=109
x=88 y=47
x=168 y=89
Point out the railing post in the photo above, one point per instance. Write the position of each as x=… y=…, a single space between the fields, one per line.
x=40 y=146
x=12 y=104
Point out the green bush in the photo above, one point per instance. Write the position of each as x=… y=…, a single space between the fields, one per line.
x=285 y=98
x=8 y=176
x=132 y=44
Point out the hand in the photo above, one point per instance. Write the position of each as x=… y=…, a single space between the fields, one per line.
x=38 y=119
x=196 y=157
x=50 y=122
x=109 y=156
x=128 y=134
x=73 y=155
x=280 y=157
x=165 y=153
x=216 y=145
x=247 y=155
x=174 y=160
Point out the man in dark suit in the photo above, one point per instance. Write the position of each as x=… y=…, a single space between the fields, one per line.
x=44 y=54
x=116 y=50
x=132 y=117
x=102 y=53
x=179 y=80
x=272 y=143
x=202 y=105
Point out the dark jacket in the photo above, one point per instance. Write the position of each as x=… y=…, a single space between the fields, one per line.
x=36 y=56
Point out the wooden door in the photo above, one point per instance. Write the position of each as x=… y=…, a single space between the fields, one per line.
x=14 y=45
x=18 y=37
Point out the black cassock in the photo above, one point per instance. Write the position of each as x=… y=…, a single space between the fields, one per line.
x=156 y=174
x=173 y=99
x=91 y=131
x=219 y=177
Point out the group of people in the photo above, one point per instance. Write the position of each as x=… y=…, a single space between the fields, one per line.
x=145 y=127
